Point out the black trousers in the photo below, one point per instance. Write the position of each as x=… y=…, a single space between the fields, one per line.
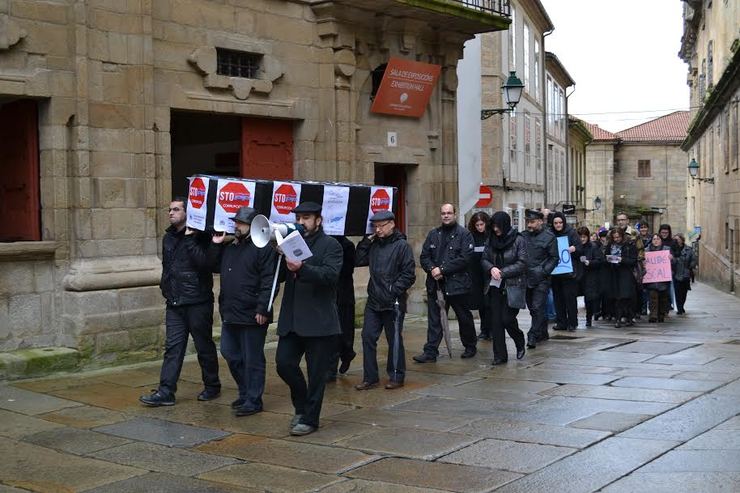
x=243 y=348
x=537 y=304
x=565 y=297
x=592 y=307
x=195 y=320
x=346 y=341
x=434 y=325
x=375 y=322
x=624 y=308
x=485 y=316
x=504 y=318
x=682 y=290
x=306 y=396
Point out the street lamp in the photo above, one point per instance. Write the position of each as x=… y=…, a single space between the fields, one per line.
x=694 y=170
x=597 y=204
x=512 y=95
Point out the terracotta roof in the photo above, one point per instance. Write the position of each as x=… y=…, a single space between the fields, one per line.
x=599 y=133
x=669 y=128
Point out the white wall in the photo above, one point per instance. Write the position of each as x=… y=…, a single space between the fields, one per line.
x=469 y=125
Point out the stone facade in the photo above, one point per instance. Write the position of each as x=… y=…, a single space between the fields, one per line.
x=107 y=77
x=559 y=169
x=710 y=46
x=578 y=138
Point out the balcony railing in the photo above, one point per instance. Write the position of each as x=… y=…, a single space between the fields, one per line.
x=497 y=7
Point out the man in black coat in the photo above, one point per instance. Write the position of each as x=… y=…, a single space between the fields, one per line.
x=345 y=351
x=445 y=257
x=542 y=258
x=308 y=322
x=246 y=283
x=187 y=286
x=392 y=273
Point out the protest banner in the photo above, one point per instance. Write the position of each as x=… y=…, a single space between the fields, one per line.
x=657 y=267
x=565 y=265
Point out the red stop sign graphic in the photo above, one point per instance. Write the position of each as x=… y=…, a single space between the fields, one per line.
x=197 y=193
x=380 y=201
x=232 y=196
x=285 y=199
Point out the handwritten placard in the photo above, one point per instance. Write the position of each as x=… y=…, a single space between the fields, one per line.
x=565 y=265
x=657 y=267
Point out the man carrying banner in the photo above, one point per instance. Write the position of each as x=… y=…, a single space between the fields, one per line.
x=187 y=285
x=542 y=258
x=392 y=273
x=444 y=257
x=308 y=323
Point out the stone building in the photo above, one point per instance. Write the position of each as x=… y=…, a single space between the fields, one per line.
x=107 y=106
x=558 y=170
x=507 y=151
x=578 y=138
x=639 y=171
x=710 y=46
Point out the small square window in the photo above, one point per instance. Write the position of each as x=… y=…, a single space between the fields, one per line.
x=234 y=63
x=643 y=168
x=616 y=166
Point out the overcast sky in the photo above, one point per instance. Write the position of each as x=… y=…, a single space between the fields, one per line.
x=622 y=56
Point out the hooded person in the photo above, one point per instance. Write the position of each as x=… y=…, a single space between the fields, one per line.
x=504 y=266
x=565 y=285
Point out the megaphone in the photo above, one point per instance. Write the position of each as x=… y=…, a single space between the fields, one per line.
x=263 y=230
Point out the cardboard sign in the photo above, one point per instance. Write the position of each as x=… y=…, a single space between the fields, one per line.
x=565 y=266
x=230 y=197
x=657 y=267
x=406 y=88
x=197 y=206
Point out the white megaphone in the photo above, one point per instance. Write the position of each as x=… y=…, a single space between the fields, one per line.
x=263 y=231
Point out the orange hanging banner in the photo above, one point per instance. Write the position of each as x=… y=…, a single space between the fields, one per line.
x=406 y=88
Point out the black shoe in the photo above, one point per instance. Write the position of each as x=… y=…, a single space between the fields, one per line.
x=344 y=366
x=209 y=395
x=558 y=327
x=468 y=353
x=571 y=329
x=238 y=403
x=295 y=420
x=520 y=353
x=531 y=344
x=588 y=323
x=497 y=362
x=247 y=410
x=157 y=398
x=331 y=378
x=425 y=358
x=484 y=337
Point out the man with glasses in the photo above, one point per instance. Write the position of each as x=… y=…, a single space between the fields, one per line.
x=392 y=273
x=187 y=285
x=444 y=257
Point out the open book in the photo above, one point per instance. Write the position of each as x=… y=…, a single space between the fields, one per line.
x=294 y=247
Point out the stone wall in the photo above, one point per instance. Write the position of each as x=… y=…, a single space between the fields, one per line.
x=600 y=182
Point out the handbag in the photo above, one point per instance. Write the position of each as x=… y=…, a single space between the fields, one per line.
x=516 y=297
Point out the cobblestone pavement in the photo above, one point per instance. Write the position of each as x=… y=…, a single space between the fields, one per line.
x=648 y=408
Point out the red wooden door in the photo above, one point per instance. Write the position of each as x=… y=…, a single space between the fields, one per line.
x=267 y=149
x=19 y=166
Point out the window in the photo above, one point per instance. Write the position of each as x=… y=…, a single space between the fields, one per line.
x=616 y=166
x=561 y=114
x=550 y=103
x=512 y=137
x=234 y=63
x=734 y=137
x=538 y=141
x=512 y=40
x=527 y=139
x=525 y=45
x=538 y=96
x=643 y=168
x=710 y=66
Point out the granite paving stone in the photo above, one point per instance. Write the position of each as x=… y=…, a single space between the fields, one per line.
x=730 y=424
x=28 y=402
x=592 y=468
x=666 y=384
x=162 y=432
x=510 y=385
x=658 y=347
x=715 y=439
x=508 y=455
x=707 y=375
x=471 y=408
x=271 y=478
x=362 y=486
x=532 y=433
x=84 y=416
x=14 y=425
x=696 y=461
x=732 y=388
x=614 y=422
x=167 y=483
x=481 y=390
x=608 y=356
x=103 y=394
x=423 y=474
x=298 y=455
x=416 y=444
x=159 y=458
x=623 y=393
x=403 y=419
x=74 y=441
x=673 y=482
x=556 y=376
x=689 y=420
x=331 y=432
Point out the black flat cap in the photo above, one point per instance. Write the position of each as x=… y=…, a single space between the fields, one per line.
x=533 y=214
x=383 y=216
x=244 y=215
x=307 y=208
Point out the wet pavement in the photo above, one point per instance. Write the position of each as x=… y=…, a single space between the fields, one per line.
x=646 y=408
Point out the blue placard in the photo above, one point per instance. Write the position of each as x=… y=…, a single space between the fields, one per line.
x=565 y=266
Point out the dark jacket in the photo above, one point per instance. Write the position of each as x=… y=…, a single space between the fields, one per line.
x=622 y=283
x=392 y=270
x=591 y=282
x=511 y=261
x=542 y=256
x=346 y=286
x=685 y=262
x=186 y=274
x=574 y=241
x=452 y=260
x=659 y=286
x=247 y=273
x=309 y=306
x=477 y=278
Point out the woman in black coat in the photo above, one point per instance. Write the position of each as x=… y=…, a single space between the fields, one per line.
x=478 y=227
x=621 y=257
x=592 y=260
x=657 y=291
x=504 y=266
x=565 y=285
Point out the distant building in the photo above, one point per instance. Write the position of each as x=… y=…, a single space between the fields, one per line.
x=710 y=46
x=579 y=138
x=558 y=172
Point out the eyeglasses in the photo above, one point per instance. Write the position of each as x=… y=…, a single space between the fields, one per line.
x=381 y=225
x=174 y=209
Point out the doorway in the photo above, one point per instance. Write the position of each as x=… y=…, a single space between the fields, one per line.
x=395 y=175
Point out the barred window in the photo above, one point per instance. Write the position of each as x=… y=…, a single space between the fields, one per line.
x=238 y=63
x=643 y=168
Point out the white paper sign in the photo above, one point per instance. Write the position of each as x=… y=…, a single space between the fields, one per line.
x=230 y=197
x=381 y=199
x=334 y=209
x=294 y=247
x=285 y=197
x=479 y=249
x=495 y=283
x=197 y=203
